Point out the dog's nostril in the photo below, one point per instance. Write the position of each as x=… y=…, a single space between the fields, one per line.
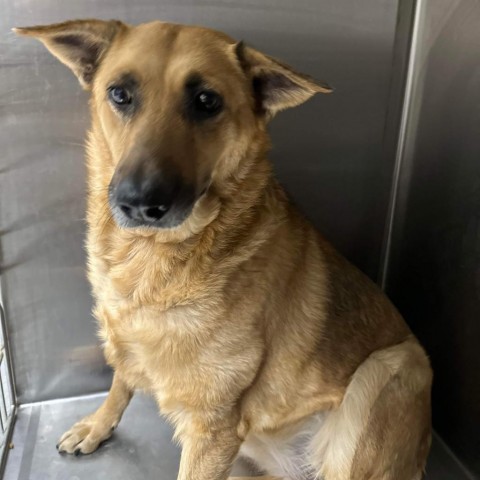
x=126 y=210
x=154 y=213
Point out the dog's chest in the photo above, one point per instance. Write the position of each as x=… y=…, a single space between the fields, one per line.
x=146 y=346
x=183 y=356
x=168 y=327
x=152 y=312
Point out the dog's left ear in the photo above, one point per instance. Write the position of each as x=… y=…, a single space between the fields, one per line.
x=276 y=86
x=79 y=44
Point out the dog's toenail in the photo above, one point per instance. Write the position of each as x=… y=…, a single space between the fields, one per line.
x=77 y=452
x=57 y=445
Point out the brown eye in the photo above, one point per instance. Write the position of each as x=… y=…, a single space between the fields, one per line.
x=208 y=102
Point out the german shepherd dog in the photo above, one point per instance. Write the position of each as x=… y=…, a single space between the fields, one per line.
x=212 y=292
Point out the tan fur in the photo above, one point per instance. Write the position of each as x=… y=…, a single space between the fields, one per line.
x=263 y=477
x=242 y=322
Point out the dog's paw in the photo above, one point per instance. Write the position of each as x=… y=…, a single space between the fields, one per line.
x=85 y=436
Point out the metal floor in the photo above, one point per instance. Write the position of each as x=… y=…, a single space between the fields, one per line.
x=140 y=449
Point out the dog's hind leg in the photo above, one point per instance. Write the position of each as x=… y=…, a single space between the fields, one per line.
x=86 y=435
x=382 y=428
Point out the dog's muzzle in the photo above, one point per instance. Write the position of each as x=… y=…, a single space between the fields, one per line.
x=158 y=201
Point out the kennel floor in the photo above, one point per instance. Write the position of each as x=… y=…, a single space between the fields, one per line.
x=140 y=449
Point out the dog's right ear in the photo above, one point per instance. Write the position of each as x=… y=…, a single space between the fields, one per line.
x=79 y=44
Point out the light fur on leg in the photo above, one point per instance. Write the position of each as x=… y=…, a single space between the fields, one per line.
x=337 y=444
x=263 y=477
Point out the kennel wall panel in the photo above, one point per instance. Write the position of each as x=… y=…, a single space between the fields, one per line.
x=434 y=274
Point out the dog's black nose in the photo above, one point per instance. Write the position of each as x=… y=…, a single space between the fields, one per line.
x=145 y=200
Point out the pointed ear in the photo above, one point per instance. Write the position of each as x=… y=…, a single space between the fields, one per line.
x=276 y=85
x=79 y=44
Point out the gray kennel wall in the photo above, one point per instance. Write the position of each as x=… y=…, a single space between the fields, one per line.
x=337 y=156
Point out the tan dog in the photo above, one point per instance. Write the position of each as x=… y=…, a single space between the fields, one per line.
x=212 y=292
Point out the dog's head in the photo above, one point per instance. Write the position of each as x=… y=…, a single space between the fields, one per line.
x=179 y=107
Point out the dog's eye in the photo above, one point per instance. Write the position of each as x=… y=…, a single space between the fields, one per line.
x=208 y=102
x=120 y=96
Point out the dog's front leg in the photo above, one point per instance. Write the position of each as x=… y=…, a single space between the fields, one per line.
x=209 y=449
x=87 y=434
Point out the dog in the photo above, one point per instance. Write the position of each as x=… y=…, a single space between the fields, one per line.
x=212 y=292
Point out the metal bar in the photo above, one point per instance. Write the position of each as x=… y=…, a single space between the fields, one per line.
x=400 y=151
x=7 y=391
x=8 y=437
x=3 y=404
